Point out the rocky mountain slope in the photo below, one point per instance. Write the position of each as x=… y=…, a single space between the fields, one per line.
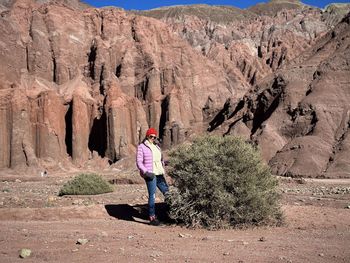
x=258 y=48
x=255 y=42
x=80 y=85
x=300 y=115
x=87 y=84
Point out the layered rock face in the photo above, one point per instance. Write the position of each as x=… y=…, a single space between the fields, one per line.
x=252 y=43
x=300 y=116
x=84 y=84
x=263 y=47
x=80 y=86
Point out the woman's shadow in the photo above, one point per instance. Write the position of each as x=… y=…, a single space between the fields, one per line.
x=138 y=213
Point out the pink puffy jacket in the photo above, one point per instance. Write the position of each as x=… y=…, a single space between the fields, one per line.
x=144 y=158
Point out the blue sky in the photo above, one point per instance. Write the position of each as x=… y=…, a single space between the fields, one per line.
x=149 y=4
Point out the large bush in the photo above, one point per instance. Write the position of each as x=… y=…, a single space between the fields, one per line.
x=86 y=184
x=221 y=182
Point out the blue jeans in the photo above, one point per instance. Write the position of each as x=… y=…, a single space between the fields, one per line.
x=157 y=181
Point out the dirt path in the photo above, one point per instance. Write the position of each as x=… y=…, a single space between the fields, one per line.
x=317 y=227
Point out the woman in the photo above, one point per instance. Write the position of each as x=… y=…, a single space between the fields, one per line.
x=150 y=163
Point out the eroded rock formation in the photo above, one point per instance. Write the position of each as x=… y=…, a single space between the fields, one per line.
x=80 y=86
x=251 y=43
x=84 y=84
x=300 y=116
x=261 y=47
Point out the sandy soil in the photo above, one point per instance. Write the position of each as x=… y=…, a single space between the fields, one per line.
x=317 y=227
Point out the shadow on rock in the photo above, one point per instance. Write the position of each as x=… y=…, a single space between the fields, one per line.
x=138 y=213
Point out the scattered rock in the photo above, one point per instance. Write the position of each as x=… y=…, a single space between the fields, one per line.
x=156 y=254
x=82 y=241
x=18 y=181
x=15 y=199
x=300 y=181
x=78 y=202
x=184 y=235
x=104 y=234
x=262 y=239
x=87 y=202
x=51 y=198
x=25 y=252
x=226 y=253
x=321 y=255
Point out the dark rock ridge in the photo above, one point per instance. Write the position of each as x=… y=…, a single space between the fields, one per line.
x=272 y=7
x=217 y=14
x=333 y=13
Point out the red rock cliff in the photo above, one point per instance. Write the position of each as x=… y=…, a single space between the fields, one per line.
x=78 y=83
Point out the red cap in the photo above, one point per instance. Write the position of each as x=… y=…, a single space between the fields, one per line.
x=151 y=131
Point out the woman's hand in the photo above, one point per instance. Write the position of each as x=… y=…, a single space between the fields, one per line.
x=149 y=175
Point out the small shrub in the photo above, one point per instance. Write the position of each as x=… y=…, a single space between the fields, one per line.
x=86 y=184
x=221 y=182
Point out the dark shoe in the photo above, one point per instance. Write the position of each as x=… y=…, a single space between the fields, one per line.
x=154 y=222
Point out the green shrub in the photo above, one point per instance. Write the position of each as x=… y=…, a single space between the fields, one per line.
x=86 y=184
x=221 y=182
